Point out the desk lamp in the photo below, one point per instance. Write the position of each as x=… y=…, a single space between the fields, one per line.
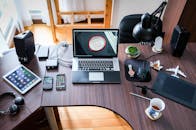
x=148 y=29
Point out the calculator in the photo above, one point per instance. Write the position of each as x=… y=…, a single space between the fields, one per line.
x=22 y=79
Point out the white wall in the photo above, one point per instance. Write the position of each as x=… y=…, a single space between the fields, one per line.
x=34 y=4
x=122 y=8
x=3 y=44
x=38 y=5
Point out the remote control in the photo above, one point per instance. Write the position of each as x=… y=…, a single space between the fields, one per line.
x=60 y=82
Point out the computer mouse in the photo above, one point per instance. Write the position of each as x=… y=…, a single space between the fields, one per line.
x=142 y=73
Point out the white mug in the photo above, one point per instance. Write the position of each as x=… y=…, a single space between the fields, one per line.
x=154 y=110
x=158 y=43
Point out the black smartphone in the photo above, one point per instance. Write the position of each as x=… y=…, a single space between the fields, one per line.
x=47 y=83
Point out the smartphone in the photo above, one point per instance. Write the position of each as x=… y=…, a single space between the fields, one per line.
x=47 y=83
x=60 y=82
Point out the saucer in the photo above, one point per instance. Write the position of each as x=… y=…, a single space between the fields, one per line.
x=152 y=118
x=132 y=56
x=155 y=50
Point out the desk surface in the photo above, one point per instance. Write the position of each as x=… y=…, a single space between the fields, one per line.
x=111 y=96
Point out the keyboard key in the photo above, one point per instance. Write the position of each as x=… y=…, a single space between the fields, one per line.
x=98 y=65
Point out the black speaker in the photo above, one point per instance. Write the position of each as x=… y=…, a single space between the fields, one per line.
x=179 y=41
x=25 y=47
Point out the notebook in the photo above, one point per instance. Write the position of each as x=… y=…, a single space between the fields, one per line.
x=95 y=54
x=178 y=90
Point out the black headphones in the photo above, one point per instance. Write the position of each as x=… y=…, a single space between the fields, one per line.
x=14 y=108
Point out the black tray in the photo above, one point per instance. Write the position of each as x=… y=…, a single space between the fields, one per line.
x=135 y=65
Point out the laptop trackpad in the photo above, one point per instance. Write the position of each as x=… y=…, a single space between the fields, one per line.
x=96 y=76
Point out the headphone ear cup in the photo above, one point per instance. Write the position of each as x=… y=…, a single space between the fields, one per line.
x=13 y=109
x=19 y=101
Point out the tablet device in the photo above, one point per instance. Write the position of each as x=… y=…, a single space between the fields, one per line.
x=22 y=79
x=176 y=89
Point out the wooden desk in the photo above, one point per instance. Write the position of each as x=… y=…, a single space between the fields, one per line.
x=32 y=98
x=112 y=96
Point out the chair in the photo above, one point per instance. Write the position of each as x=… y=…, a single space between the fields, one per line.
x=128 y=23
x=126 y=28
x=141 y=34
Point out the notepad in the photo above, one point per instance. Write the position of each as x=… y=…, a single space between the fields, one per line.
x=178 y=90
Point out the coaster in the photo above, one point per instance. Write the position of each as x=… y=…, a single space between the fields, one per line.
x=152 y=118
x=156 y=51
x=132 y=56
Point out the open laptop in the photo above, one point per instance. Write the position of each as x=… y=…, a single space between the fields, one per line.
x=95 y=56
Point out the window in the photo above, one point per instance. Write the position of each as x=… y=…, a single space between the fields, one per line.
x=7 y=23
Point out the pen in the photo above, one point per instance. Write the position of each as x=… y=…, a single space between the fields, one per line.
x=134 y=94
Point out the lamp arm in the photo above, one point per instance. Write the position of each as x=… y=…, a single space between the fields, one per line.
x=159 y=10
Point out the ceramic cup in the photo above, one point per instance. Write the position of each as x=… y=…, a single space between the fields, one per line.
x=158 y=43
x=154 y=110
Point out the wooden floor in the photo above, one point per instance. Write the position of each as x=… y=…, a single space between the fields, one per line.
x=43 y=35
x=84 y=117
x=90 y=118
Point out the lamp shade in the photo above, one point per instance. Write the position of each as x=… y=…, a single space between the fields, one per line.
x=143 y=31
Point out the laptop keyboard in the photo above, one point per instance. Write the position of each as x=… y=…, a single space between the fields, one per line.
x=95 y=65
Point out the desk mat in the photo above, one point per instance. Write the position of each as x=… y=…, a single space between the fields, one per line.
x=175 y=89
x=135 y=65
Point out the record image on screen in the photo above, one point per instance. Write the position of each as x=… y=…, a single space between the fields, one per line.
x=95 y=43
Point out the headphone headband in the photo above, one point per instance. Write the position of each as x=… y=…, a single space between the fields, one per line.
x=14 y=108
x=7 y=94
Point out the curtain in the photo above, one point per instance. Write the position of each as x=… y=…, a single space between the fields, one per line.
x=72 y=5
x=23 y=16
x=8 y=23
x=23 y=8
x=45 y=13
x=3 y=45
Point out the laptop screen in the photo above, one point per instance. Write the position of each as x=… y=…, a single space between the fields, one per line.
x=95 y=42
